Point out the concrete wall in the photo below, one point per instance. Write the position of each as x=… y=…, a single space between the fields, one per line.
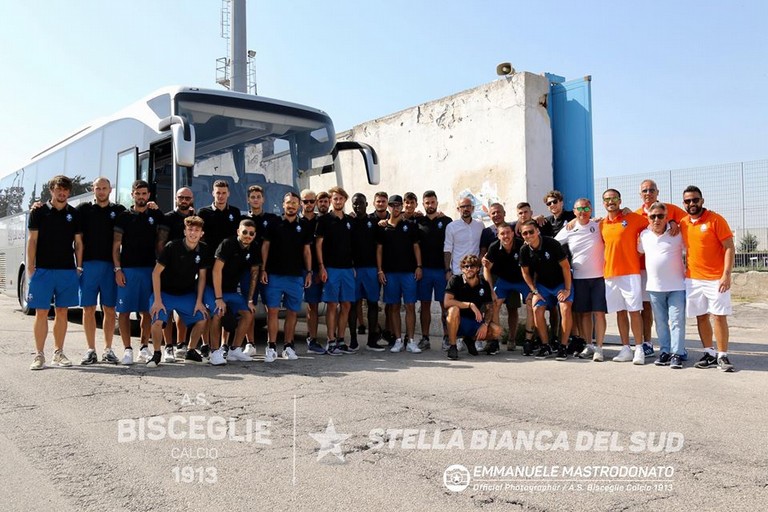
x=493 y=141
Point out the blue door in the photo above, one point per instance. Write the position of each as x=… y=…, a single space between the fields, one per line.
x=570 y=113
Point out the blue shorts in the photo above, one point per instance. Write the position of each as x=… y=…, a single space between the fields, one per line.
x=183 y=305
x=400 y=284
x=58 y=284
x=367 y=284
x=589 y=295
x=503 y=288
x=548 y=296
x=468 y=326
x=313 y=294
x=234 y=301
x=290 y=287
x=134 y=296
x=432 y=280
x=340 y=285
x=97 y=284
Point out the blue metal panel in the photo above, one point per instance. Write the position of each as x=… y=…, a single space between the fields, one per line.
x=570 y=114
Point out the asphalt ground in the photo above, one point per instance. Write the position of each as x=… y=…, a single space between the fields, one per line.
x=391 y=431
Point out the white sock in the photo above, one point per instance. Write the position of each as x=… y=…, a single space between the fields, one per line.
x=721 y=354
x=710 y=351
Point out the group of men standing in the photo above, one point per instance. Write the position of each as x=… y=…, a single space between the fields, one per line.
x=211 y=266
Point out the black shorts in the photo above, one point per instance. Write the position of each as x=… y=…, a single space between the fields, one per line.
x=589 y=295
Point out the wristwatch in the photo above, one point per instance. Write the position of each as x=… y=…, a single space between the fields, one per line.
x=118 y=269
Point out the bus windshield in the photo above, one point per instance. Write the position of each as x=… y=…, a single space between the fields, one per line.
x=252 y=142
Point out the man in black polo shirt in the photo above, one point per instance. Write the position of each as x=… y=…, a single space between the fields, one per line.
x=398 y=259
x=221 y=218
x=97 y=282
x=178 y=281
x=502 y=270
x=286 y=257
x=262 y=219
x=468 y=300
x=560 y=216
x=173 y=229
x=333 y=238
x=548 y=275
x=364 y=229
x=54 y=260
x=135 y=244
x=235 y=256
x=434 y=276
x=314 y=293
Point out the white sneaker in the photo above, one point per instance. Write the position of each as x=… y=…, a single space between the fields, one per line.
x=479 y=346
x=588 y=352
x=168 y=355
x=270 y=356
x=639 y=356
x=289 y=353
x=237 y=354
x=460 y=345
x=249 y=350
x=625 y=355
x=597 y=357
x=398 y=346
x=217 y=358
x=144 y=355
x=413 y=347
x=127 y=357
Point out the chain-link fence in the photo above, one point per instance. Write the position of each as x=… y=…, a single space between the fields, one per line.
x=733 y=190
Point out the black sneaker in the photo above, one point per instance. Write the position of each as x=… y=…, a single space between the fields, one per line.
x=360 y=329
x=389 y=337
x=562 y=353
x=342 y=347
x=205 y=351
x=576 y=345
x=676 y=362
x=453 y=352
x=707 y=361
x=424 y=343
x=193 y=357
x=471 y=348
x=544 y=352
x=354 y=346
x=528 y=348
x=89 y=358
x=664 y=359
x=492 y=347
x=155 y=361
x=724 y=364
x=373 y=346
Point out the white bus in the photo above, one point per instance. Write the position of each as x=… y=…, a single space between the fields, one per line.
x=177 y=136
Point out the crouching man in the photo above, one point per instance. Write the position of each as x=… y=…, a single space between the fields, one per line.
x=178 y=282
x=469 y=302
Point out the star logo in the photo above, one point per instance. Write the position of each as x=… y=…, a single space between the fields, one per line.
x=330 y=441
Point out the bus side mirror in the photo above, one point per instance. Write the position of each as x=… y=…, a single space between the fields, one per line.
x=182 y=137
x=370 y=158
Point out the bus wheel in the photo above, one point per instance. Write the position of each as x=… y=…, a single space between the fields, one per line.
x=23 y=289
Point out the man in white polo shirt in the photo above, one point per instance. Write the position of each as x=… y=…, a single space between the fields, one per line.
x=665 y=284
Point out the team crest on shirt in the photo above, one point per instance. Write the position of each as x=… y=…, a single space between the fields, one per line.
x=247 y=256
x=112 y=215
x=197 y=259
x=516 y=256
x=370 y=224
x=546 y=254
x=265 y=223
x=231 y=217
x=624 y=223
x=349 y=226
x=69 y=217
x=703 y=228
x=151 y=220
x=298 y=229
x=592 y=229
x=481 y=292
x=440 y=225
x=405 y=227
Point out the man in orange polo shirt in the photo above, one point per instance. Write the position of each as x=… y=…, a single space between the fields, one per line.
x=709 y=261
x=623 y=288
x=649 y=193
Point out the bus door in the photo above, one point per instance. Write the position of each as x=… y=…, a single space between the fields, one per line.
x=160 y=174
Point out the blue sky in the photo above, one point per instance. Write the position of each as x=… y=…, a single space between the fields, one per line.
x=675 y=83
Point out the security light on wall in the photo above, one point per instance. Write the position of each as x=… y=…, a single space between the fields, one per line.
x=505 y=68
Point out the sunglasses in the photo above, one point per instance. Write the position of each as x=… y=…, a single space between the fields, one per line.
x=693 y=200
x=553 y=201
x=468 y=266
x=308 y=201
x=583 y=209
x=648 y=190
x=655 y=216
x=248 y=233
x=611 y=199
x=527 y=233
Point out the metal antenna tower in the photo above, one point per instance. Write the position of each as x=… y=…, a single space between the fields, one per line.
x=237 y=71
